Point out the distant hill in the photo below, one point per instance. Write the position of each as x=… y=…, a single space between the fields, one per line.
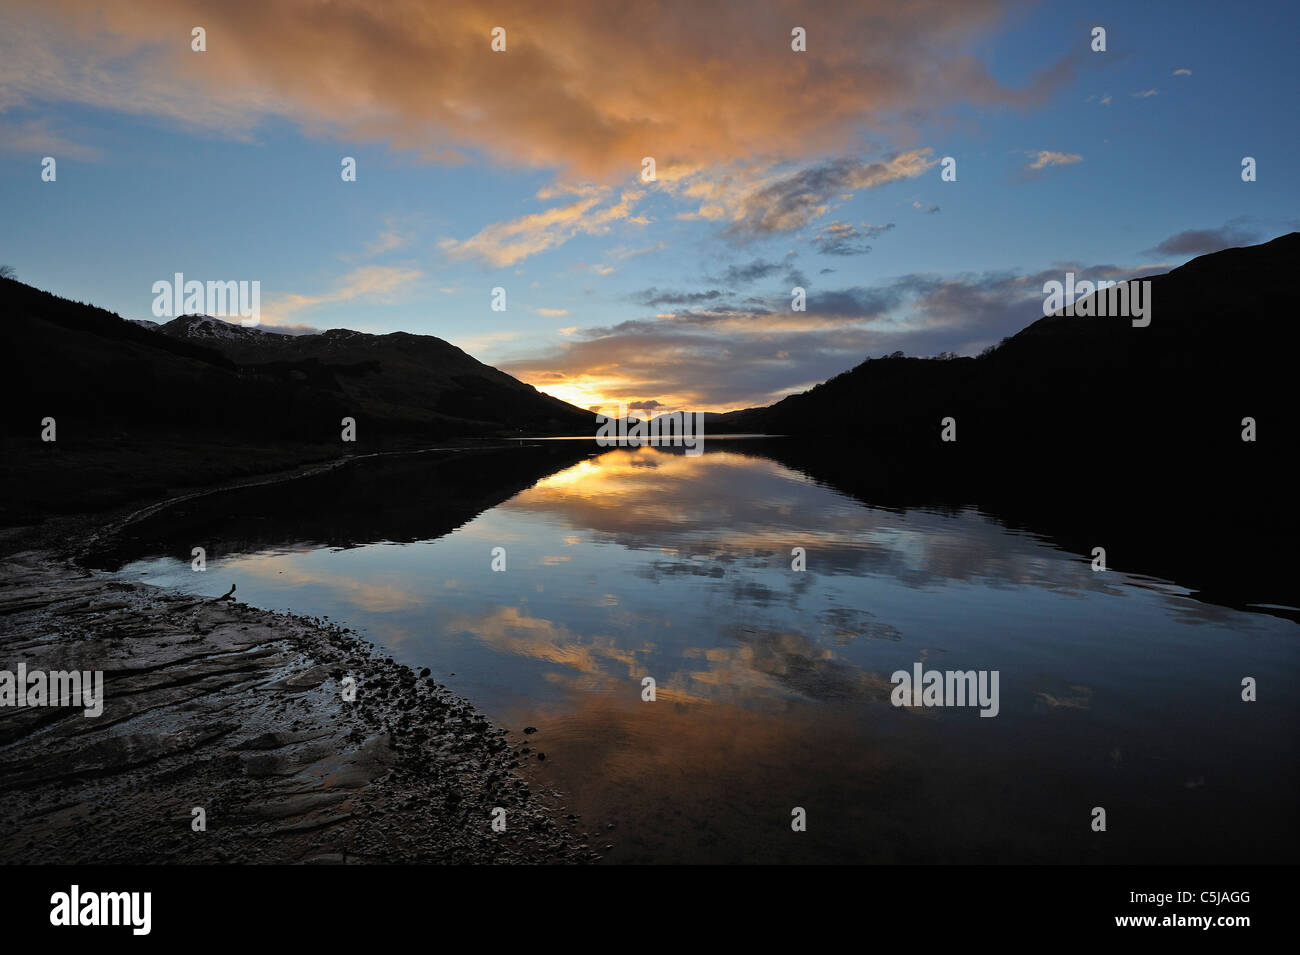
x=143 y=411
x=418 y=381
x=1221 y=346
x=1091 y=431
x=198 y=374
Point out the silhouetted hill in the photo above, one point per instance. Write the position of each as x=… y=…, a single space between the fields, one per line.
x=142 y=410
x=1219 y=348
x=1092 y=431
x=202 y=375
x=416 y=382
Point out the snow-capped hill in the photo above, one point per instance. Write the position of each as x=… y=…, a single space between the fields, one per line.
x=207 y=328
x=144 y=323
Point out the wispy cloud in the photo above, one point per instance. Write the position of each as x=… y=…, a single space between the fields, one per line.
x=748 y=273
x=35 y=137
x=752 y=204
x=841 y=238
x=1201 y=241
x=654 y=297
x=481 y=344
x=369 y=283
x=109 y=57
x=1044 y=158
x=387 y=241
x=505 y=243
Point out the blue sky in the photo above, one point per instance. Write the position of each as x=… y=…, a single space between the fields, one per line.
x=773 y=171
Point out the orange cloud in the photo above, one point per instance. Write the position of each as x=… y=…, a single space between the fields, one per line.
x=697 y=85
x=505 y=243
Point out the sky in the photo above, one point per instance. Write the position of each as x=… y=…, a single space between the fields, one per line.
x=524 y=170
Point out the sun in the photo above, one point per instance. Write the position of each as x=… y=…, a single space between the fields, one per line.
x=581 y=391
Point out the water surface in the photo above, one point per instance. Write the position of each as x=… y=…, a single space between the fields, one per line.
x=772 y=684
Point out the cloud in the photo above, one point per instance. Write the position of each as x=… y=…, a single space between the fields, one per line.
x=35 y=137
x=1045 y=157
x=654 y=297
x=1144 y=94
x=94 y=54
x=370 y=282
x=505 y=243
x=750 y=273
x=699 y=84
x=623 y=252
x=300 y=329
x=386 y=241
x=482 y=343
x=738 y=124
x=1201 y=241
x=1182 y=72
x=790 y=200
x=920 y=207
x=840 y=238
x=734 y=354
x=552 y=312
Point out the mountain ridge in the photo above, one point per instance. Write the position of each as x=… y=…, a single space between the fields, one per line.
x=1191 y=305
x=136 y=374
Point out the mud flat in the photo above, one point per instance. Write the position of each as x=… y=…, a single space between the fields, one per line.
x=216 y=705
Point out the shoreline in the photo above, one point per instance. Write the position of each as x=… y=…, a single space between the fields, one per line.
x=64 y=533
x=239 y=711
